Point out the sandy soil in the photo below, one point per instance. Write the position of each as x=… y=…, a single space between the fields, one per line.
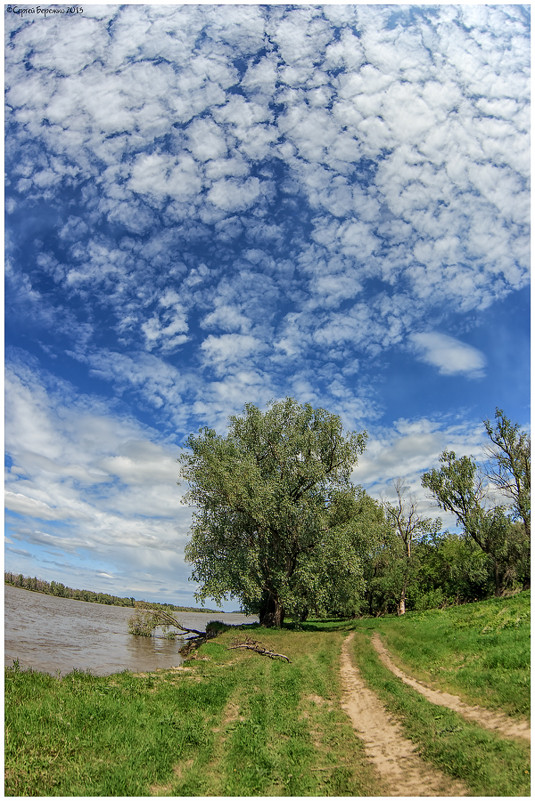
x=395 y=757
x=495 y=721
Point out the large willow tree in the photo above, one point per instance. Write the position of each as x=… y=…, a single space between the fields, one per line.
x=276 y=521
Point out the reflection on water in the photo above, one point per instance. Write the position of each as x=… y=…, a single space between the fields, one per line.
x=56 y=635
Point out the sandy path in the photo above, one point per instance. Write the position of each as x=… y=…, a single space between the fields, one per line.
x=394 y=756
x=495 y=721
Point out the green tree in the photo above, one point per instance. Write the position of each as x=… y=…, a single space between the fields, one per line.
x=275 y=508
x=330 y=579
x=453 y=569
x=409 y=527
x=458 y=488
x=382 y=574
x=510 y=471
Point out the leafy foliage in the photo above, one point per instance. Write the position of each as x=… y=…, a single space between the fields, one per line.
x=277 y=516
x=458 y=487
x=144 y=622
x=280 y=526
x=510 y=467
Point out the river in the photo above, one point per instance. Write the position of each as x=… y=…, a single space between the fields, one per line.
x=56 y=635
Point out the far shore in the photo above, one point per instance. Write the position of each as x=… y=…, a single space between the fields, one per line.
x=59 y=590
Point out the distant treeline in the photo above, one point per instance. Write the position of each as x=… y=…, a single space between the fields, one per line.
x=61 y=591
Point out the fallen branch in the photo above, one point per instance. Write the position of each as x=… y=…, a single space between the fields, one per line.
x=253 y=645
x=165 y=619
x=144 y=621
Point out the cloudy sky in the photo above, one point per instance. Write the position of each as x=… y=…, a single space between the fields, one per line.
x=209 y=205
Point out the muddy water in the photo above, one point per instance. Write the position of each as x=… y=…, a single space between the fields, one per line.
x=56 y=635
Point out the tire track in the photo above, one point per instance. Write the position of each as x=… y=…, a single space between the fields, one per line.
x=394 y=756
x=494 y=721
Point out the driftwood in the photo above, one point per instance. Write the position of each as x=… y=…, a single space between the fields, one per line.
x=198 y=638
x=165 y=619
x=253 y=645
x=145 y=621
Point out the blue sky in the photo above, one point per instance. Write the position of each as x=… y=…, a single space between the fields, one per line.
x=208 y=205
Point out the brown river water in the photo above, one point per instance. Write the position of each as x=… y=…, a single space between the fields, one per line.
x=56 y=635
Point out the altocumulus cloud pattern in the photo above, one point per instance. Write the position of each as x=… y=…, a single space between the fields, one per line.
x=208 y=205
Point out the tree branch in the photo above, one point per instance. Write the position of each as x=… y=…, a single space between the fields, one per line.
x=253 y=645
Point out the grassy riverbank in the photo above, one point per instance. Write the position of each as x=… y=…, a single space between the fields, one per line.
x=232 y=723
x=480 y=652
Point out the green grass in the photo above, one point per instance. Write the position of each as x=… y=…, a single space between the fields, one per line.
x=235 y=724
x=487 y=764
x=480 y=651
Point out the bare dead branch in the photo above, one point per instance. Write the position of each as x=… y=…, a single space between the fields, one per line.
x=253 y=645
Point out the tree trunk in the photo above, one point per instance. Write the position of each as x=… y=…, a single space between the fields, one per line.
x=271 y=612
x=526 y=584
x=498 y=580
x=401 y=604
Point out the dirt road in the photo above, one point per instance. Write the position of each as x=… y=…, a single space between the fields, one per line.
x=395 y=757
x=495 y=721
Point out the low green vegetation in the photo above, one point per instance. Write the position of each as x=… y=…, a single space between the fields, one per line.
x=231 y=722
x=480 y=651
x=488 y=764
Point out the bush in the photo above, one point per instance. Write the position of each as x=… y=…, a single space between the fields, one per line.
x=215 y=627
x=433 y=599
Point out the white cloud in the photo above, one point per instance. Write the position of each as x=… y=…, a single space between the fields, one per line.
x=221 y=168
x=23 y=505
x=227 y=318
x=450 y=355
x=156 y=381
x=433 y=134
x=230 y=348
x=241 y=113
x=159 y=175
x=411 y=448
x=230 y=194
x=167 y=330
x=74 y=462
x=262 y=76
x=206 y=140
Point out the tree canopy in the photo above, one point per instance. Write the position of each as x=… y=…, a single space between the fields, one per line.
x=510 y=465
x=503 y=531
x=277 y=518
x=279 y=526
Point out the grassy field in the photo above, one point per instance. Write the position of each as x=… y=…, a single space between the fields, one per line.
x=234 y=723
x=478 y=651
x=488 y=764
